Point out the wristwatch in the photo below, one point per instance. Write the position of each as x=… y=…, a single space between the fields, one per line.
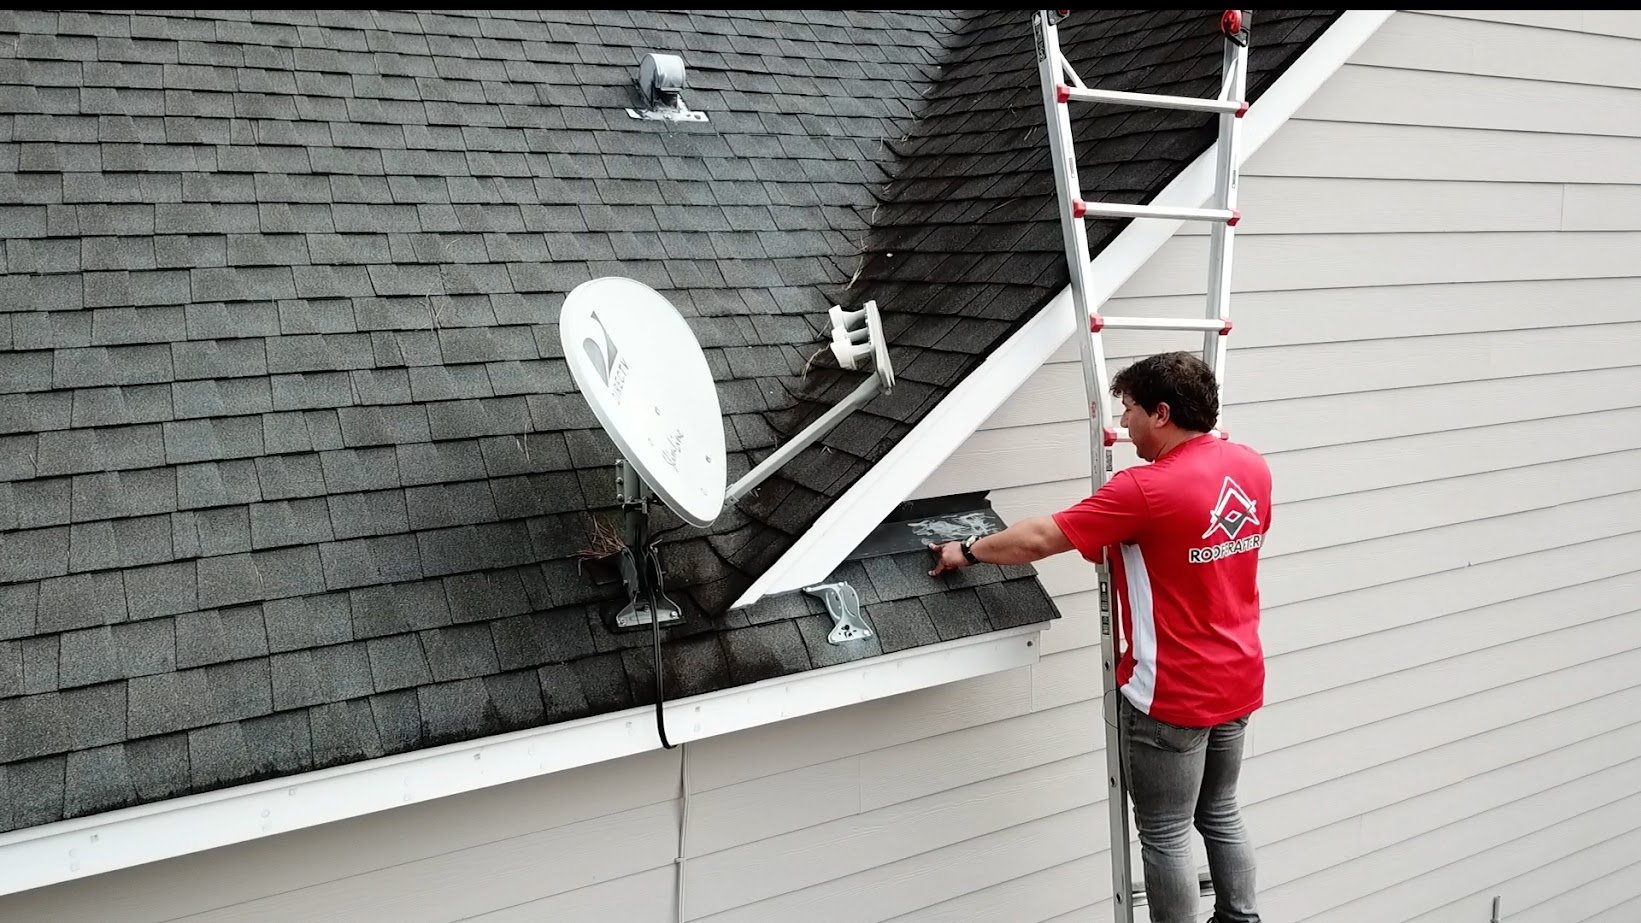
x=968 y=548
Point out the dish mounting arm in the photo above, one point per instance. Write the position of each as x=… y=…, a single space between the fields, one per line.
x=856 y=335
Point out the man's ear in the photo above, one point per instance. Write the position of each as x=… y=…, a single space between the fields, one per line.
x=1163 y=413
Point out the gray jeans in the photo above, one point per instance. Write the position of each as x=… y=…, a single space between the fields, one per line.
x=1178 y=777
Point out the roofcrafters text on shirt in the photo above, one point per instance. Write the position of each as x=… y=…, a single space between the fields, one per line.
x=1184 y=534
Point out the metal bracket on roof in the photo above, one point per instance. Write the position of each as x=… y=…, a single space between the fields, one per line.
x=843 y=604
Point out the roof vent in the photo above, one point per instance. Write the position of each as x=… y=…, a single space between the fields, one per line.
x=661 y=81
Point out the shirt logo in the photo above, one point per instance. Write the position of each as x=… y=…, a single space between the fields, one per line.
x=1234 y=510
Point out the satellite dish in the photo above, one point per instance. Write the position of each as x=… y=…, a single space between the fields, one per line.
x=642 y=371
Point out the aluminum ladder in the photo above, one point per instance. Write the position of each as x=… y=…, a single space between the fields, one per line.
x=1061 y=87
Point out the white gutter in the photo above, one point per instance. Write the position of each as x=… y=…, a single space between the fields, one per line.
x=70 y=849
x=848 y=521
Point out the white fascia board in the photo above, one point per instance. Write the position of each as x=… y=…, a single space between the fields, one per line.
x=846 y=523
x=70 y=849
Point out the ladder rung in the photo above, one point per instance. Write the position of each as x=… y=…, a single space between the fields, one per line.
x=1065 y=93
x=1136 y=892
x=1080 y=208
x=1219 y=325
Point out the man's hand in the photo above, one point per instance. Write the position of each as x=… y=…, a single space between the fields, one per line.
x=948 y=557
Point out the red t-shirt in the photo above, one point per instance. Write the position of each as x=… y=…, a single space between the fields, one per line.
x=1186 y=531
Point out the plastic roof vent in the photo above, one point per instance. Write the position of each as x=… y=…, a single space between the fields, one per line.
x=661 y=82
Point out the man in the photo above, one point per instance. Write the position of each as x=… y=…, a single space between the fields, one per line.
x=1184 y=534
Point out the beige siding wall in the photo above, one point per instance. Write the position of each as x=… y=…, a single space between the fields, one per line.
x=1439 y=346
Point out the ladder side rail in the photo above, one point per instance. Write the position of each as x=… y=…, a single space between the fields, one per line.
x=1222 y=237
x=1097 y=386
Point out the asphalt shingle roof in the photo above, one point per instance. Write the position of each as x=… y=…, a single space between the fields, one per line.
x=292 y=471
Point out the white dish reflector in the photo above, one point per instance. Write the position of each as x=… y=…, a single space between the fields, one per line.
x=642 y=371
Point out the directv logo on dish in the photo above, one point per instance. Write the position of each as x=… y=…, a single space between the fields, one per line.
x=611 y=365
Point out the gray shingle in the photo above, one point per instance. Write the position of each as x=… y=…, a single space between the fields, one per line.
x=35 y=554
x=957 y=614
x=432 y=463
x=228 y=580
x=284 y=477
x=382 y=386
x=215 y=636
x=360 y=470
x=159 y=766
x=902 y=624
x=207 y=440
x=31 y=413
x=218 y=755
x=40 y=665
x=402 y=607
x=165 y=589
x=326 y=674
x=764 y=651
x=25 y=371
x=356 y=515
x=290 y=522
x=37 y=724
x=81 y=601
x=460 y=651
x=542 y=638
x=441 y=505
x=362 y=562
x=308 y=621
x=97 y=366
x=398 y=720
x=218 y=484
x=124 y=405
x=1016 y=602
x=222 y=531
x=343 y=732
x=528 y=454
x=486 y=596
x=51 y=330
x=11 y=669
x=453 y=711
x=406 y=348
x=120 y=543
x=33 y=791
x=97 y=780
x=19 y=457
x=319 y=352
x=311 y=390
x=224 y=397
x=97 y=655
x=384 y=425
x=34 y=504
x=110 y=495
x=222 y=358
x=290 y=571
x=293 y=431
x=450 y=551
x=398 y=661
x=444 y=383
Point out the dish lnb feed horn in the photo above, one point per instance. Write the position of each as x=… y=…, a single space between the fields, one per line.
x=857 y=337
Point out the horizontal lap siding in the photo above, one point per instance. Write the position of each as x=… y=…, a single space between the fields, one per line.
x=1438 y=343
x=1438 y=346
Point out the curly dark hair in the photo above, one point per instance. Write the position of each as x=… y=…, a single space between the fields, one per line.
x=1181 y=380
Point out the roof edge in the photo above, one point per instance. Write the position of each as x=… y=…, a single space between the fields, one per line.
x=78 y=848
x=942 y=431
